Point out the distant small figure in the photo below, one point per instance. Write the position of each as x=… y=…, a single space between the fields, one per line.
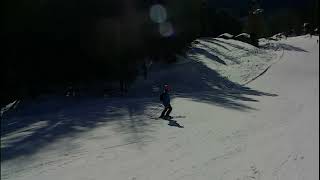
x=146 y=66
x=70 y=91
x=165 y=98
x=316 y=32
x=145 y=70
x=124 y=86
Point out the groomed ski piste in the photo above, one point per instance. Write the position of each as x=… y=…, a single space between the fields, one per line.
x=246 y=113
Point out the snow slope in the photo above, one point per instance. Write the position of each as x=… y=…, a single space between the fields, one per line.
x=267 y=130
x=211 y=62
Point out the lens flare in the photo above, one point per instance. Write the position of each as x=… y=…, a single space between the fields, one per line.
x=166 y=29
x=158 y=13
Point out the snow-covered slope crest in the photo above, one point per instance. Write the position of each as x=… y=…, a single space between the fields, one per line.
x=239 y=62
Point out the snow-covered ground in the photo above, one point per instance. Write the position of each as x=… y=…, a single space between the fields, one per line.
x=266 y=130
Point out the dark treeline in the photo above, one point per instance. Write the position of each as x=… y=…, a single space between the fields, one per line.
x=55 y=42
x=52 y=43
x=233 y=17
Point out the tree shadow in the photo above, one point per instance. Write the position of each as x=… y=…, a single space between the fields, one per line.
x=282 y=46
x=244 y=51
x=37 y=124
x=200 y=51
x=47 y=123
x=215 y=40
x=215 y=43
x=225 y=55
x=196 y=81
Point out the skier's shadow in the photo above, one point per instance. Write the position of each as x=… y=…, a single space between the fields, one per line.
x=174 y=123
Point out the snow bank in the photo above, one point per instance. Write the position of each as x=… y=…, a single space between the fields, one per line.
x=226 y=36
x=244 y=37
x=278 y=36
x=9 y=107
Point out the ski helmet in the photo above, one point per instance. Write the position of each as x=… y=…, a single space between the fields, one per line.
x=166 y=87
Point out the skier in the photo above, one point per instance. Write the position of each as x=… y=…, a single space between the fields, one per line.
x=70 y=91
x=165 y=98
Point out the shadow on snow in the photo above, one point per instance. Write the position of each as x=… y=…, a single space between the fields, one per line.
x=282 y=46
x=66 y=117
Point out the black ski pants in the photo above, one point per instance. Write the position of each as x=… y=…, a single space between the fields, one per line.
x=167 y=110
